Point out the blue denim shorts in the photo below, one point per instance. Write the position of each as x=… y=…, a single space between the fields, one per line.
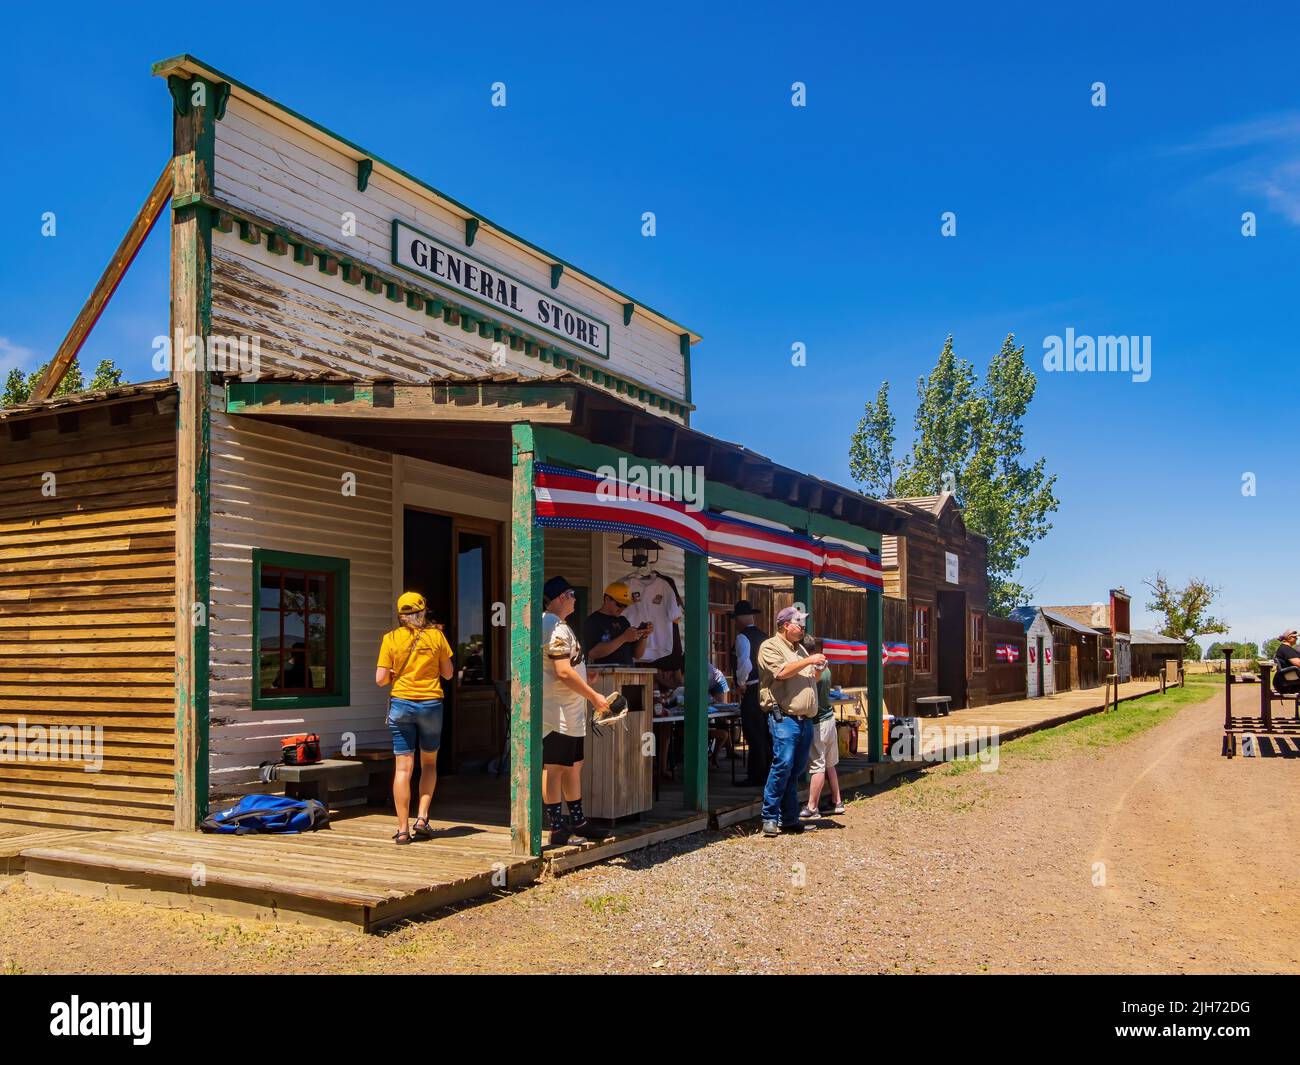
x=410 y=721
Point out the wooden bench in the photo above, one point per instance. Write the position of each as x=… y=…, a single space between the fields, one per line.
x=934 y=704
x=325 y=780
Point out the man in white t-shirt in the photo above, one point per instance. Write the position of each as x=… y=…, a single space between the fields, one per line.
x=653 y=600
x=565 y=694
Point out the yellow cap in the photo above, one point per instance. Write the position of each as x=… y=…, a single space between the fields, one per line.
x=620 y=593
x=410 y=603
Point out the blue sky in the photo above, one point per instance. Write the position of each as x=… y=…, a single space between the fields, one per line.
x=778 y=224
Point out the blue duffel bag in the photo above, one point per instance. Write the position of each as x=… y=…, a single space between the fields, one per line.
x=268 y=813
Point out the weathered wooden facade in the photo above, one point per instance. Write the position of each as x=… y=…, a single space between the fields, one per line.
x=87 y=606
x=939 y=570
x=1151 y=651
x=379 y=420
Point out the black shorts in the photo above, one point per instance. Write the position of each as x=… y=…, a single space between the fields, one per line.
x=559 y=749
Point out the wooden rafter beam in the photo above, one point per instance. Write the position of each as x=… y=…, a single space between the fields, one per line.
x=108 y=282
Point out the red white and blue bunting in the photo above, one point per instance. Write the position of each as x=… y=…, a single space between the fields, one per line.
x=855 y=653
x=576 y=499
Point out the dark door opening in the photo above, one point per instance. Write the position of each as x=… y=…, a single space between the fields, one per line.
x=950 y=647
x=1041 y=669
x=452 y=562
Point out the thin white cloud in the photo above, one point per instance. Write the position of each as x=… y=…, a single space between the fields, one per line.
x=1259 y=156
x=12 y=355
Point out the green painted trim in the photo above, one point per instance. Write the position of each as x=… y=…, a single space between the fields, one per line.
x=341 y=695
x=162 y=68
x=628 y=309
x=557 y=272
x=180 y=89
x=875 y=675
x=364 y=168
x=695 y=641
x=220 y=101
x=527 y=547
x=498 y=272
x=471 y=231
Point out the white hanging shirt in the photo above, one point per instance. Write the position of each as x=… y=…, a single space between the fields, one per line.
x=653 y=600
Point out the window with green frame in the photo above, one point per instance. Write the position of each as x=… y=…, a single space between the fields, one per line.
x=300 y=631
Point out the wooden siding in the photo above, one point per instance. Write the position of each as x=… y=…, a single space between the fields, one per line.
x=276 y=172
x=87 y=614
x=1005 y=680
x=280 y=489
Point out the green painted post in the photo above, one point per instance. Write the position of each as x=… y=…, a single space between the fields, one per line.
x=696 y=650
x=803 y=594
x=875 y=674
x=525 y=652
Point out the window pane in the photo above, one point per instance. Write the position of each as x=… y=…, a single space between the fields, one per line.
x=269 y=630
x=317 y=651
x=269 y=593
x=295 y=591
x=316 y=592
x=268 y=671
x=293 y=629
x=472 y=646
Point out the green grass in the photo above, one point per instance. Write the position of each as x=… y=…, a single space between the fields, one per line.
x=1129 y=719
x=604 y=904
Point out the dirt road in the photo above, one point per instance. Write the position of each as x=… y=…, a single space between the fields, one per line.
x=1152 y=854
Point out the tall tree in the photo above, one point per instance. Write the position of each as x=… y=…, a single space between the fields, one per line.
x=1192 y=651
x=968 y=438
x=1186 y=609
x=871 y=451
x=18 y=387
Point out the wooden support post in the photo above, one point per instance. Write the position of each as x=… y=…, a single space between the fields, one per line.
x=696 y=650
x=103 y=291
x=526 y=547
x=1265 y=695
x=194 y=138
x=1227 y=686
x=875 y=675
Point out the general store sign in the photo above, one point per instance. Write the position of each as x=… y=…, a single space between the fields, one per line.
x=429 y=257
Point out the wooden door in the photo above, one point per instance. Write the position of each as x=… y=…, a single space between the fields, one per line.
x=950 y=647
x=478 y=734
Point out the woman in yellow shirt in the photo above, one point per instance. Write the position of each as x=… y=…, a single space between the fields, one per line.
x=415 y=658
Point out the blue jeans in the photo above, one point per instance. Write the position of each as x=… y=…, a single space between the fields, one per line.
x=791 y=739
x=413 y=722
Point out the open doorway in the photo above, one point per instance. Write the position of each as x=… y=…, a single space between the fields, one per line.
x=454 y=562
x=951 y=647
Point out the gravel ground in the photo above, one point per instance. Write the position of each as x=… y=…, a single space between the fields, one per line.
x=1150 y=855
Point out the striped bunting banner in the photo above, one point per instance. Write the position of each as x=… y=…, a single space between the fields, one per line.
x=852 y=652
x=576 y=499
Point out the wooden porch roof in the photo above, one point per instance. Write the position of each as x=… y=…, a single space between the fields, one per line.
x=466 y=422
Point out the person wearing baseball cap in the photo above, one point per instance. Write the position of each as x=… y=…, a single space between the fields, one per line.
x=565 y=695
x=607 y=637
x=415 y=658
x=788 y=693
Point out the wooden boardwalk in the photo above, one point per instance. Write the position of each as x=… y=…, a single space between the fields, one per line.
x=353 y=875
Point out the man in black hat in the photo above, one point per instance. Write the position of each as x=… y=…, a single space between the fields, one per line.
x=565 y=695
x=753 y=723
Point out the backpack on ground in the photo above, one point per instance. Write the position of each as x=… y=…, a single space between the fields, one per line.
x=268 y=813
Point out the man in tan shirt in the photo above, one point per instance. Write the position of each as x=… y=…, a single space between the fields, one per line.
x=787 y=691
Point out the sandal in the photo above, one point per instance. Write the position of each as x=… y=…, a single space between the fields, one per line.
x=421 y=832
x=402 y=838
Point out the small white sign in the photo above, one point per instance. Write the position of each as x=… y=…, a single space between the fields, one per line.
x=950 y=567
x=483 y=283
